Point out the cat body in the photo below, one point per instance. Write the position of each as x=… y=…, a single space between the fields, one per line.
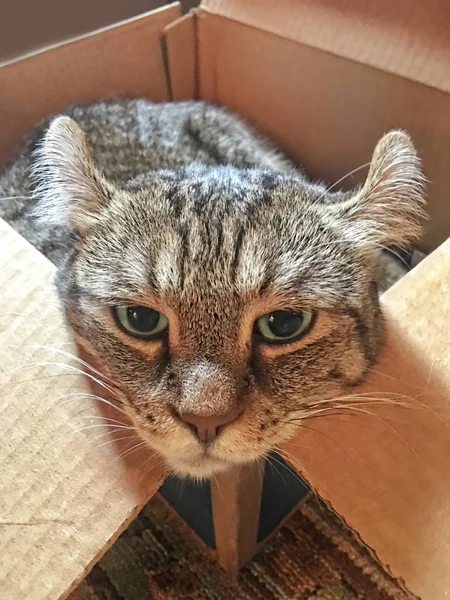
x=225 y=295
x=129 y=138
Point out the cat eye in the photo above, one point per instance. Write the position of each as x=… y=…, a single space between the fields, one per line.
x=284 y=326
x=140 y=321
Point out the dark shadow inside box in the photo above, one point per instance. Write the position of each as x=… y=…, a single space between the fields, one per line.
x=283 y=489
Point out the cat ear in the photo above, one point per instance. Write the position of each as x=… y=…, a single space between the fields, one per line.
x=389 y=210
x=69 y=188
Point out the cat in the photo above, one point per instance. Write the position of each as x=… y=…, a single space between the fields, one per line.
x=224 y=293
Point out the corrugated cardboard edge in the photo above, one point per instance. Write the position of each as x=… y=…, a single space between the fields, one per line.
x=123 y=526
x=405 y=38
x=64 y=497
x=354 y=466
x=181 y=48
x=399 y=580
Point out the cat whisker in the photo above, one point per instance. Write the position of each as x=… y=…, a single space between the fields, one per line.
x=273 y=462
x=112 y=432
x=344 y=411
x=66 y=398
x=114 y=440
x=105 y=426
x=8 y=198
x=216 y=481
x=380 y=394
x=113 y=395
x=76 y=359
x=338 y=409
x=71 y=368
x=299 y=422
x=89 y=396
x=182 y=487
x=386 y=424
x=346 y=401
x=421 y=389
x=109 y=433
x=361 y=399
x=429 y=408
x=413 y=403
x=107 y=419
x=394 y=253
x=36 y=322
x=386 y=398
x=261 y=468
x=298 y=468
x=98 y=379
x=349 y=174
x=143 y=465
x=391 y=428
x=154 y=466
x=131 y=450
x=22 y=346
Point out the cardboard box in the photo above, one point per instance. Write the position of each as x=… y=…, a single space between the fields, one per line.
x=325 y=80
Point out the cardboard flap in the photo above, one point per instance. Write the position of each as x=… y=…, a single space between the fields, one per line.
x=64 y=494
x=325 y=111
x=123 y=60
x=407 y=38
x=181 y=46
x=385 y=464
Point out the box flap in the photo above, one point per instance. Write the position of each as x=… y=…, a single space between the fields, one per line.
x=64 y=495
x=385 y=465
x=407 y=38
x=122 y=60
x=181 y=45
x=325 y=111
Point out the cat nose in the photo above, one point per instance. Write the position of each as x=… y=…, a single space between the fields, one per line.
x=207 y=428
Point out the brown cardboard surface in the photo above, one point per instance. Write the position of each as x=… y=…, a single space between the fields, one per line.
x=326 y=111
x=181 y=45
x=389 y=479
x=236 y=501
x=406 y=37
x=64 y=494
x=122 y=60
x=387 y=470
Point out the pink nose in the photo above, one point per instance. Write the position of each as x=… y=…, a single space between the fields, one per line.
x=207 y=428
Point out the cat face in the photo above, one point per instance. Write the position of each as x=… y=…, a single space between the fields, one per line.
x=224 y=303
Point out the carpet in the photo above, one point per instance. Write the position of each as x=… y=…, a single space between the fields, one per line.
x=312 y=557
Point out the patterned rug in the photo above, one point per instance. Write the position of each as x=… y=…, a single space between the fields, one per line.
x=312 y=557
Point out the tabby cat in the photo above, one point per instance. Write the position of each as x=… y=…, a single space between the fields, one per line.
x=224 y=293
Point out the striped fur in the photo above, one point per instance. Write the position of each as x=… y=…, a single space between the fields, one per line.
x=182 y=208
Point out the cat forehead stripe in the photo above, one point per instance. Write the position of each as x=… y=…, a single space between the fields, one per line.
x=251 y=269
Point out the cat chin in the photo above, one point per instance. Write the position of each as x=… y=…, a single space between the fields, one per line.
x=198 y=469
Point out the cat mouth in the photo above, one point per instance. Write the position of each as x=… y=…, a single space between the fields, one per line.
x=187 y=456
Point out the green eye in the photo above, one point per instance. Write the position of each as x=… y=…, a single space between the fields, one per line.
x=283 y=326
x=140 y=321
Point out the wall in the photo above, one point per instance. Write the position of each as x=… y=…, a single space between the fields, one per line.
x=29 y=24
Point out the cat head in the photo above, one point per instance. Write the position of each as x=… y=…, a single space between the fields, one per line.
x=226 y=304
